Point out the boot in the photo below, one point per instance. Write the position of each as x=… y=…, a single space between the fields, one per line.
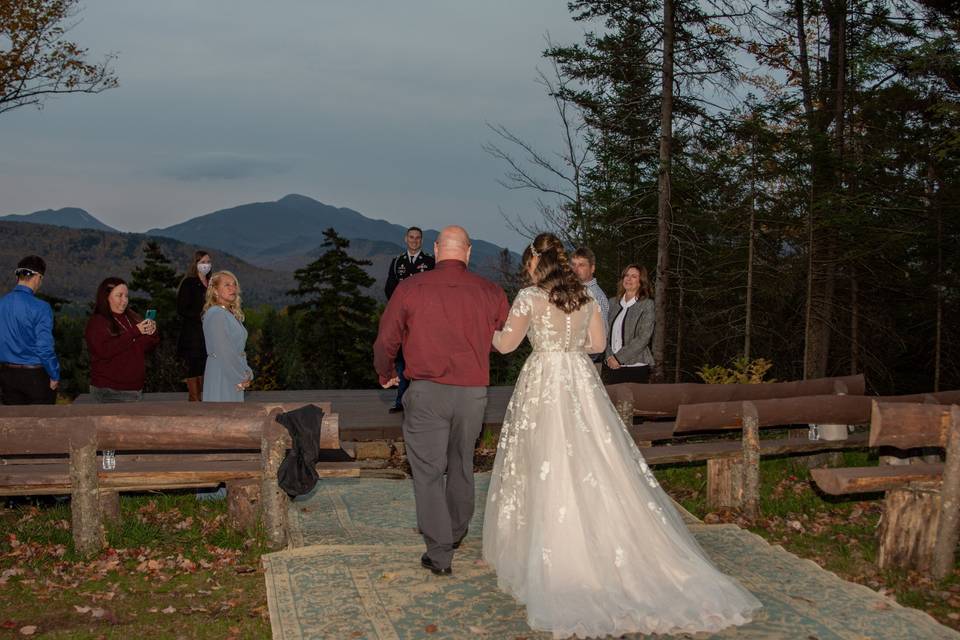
x=195 y=388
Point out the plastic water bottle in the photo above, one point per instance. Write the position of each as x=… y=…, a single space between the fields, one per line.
x=109 y=461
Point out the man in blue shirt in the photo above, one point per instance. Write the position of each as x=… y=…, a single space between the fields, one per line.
x=29 y=370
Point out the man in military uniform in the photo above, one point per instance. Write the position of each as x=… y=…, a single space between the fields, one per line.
x=409 y=263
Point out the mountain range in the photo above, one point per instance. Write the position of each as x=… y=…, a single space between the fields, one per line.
x=262 y=242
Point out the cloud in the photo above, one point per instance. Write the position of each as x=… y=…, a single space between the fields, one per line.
x=226 y=166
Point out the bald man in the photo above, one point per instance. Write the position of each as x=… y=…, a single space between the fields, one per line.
x=444 y=320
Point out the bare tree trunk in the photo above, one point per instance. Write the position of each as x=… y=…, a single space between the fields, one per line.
x=664 y=209
x=679 y=345
x=748 y=321
x=854 y=323
x=937 y=347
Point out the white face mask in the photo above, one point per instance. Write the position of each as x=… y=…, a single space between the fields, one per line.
x=203 y=268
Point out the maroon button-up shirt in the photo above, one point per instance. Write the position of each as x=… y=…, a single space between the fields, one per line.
x=445 y=320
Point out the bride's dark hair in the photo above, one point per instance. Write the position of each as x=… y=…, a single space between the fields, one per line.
x=553 y=273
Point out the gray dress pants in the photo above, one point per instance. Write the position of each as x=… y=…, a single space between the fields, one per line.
x=441 y=424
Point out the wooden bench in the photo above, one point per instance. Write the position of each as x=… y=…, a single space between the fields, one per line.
x=53 y=450
x=921 y=518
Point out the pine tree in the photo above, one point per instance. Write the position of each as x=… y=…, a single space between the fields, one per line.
x=338 y=323
x=159 y=281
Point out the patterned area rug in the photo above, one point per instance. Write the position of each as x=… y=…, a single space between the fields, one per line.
x=354 y=573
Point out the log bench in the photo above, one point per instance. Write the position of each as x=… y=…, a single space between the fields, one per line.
x=53 y=450
x=921 y=514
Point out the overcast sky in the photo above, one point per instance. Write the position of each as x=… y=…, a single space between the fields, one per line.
x=376 y=106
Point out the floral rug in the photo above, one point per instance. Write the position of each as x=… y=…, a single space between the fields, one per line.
x=353 y=572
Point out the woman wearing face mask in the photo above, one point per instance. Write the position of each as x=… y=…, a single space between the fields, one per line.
x=118 y=341
x=191 y=296
x=628 y=356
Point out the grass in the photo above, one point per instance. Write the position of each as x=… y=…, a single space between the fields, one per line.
x=838 y=533
x=173 y=569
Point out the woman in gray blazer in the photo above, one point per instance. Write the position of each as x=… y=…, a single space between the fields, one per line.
x=628 y=356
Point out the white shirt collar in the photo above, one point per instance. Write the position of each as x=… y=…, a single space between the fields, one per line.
x=413 y=257
x=625 y=304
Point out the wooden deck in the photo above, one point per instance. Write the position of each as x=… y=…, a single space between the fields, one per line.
x=363 y=412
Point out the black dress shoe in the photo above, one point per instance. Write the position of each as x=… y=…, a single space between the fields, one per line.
x=427 y=563
x=456 y=545
x=395 y=410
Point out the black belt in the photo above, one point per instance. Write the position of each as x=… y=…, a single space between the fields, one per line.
x=10 y=365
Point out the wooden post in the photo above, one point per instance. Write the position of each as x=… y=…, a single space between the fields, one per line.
x=243 y=503
x=272 y=450
x=724 y=483
x=750 y=503
x=88 y=536
x=948 y=529
x=110 y=506
x=908 y=527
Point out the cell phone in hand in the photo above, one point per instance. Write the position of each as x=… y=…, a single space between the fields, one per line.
x=150 y=315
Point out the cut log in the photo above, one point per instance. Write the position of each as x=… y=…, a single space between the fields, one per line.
x=847 y=480
x=948 y=530
x=243 y=503
x=665 y=399
x=145 y=427
x=813 y=409
x=751 y=463
x=908 y=527
x=88 y=535
x=906 y=426
x=717 y=449
x=725 y=483
x=273 y=448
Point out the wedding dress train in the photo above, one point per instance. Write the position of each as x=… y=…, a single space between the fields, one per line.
x=576 y=525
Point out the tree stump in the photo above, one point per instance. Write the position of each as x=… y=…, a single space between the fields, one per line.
x=88 y=535
x=724 y=483
x=243 y=503
x=272 y=450
x=110 y=506
x=909 y=525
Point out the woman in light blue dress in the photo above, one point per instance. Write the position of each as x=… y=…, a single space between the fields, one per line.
x=226 y=375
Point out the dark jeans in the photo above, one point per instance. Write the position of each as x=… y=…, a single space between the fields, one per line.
x=404 y=383
x=625 y=374
x=26 y=386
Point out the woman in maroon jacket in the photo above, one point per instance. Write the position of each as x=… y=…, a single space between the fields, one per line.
x=118 y=341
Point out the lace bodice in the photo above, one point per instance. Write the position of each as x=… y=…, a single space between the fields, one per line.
x=548 y=327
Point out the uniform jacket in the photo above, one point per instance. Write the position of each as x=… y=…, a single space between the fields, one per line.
x=401 y=268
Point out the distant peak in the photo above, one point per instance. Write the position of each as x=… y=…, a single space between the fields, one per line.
x=295 y=198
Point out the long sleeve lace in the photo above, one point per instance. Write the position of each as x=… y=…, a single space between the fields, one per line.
x=518 y=322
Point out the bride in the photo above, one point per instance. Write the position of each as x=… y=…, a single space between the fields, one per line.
x=576 y=525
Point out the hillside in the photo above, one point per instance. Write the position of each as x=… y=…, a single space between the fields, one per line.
x=284 y=232
x=78 y=259
x=70 y=217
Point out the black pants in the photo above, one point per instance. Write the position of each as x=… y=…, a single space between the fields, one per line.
x=25 y=386
x=625 y=374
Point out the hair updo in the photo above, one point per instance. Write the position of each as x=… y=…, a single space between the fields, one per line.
x=554 y=274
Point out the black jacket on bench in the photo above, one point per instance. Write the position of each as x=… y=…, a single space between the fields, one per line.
x=297 y=474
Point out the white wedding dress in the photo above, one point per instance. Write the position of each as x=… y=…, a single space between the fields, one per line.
x=576 y=525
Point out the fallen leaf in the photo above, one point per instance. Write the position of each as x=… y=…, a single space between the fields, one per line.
x=80 y=609
x=28 y=630
x=168 y=610
x=430 y=628
x=8 y=624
